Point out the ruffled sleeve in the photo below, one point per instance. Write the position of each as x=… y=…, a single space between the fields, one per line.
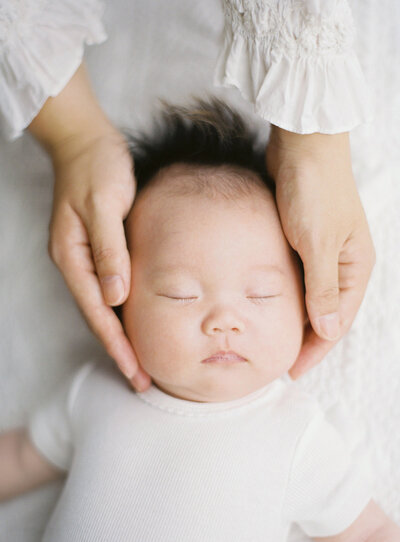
x=295 y=62
x=41 y=46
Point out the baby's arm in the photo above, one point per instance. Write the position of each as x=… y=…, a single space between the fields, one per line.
x=372 y=525
x=22 y=467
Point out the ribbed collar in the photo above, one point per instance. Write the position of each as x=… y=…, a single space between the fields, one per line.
x=163 y=401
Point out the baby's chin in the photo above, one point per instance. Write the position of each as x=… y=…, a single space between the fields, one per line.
x=217 y=391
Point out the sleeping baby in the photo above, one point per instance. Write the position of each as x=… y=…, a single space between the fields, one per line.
x=224 y=446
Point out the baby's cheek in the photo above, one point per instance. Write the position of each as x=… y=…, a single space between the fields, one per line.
x=159 y=340
x=281 y=336
x=291 y=335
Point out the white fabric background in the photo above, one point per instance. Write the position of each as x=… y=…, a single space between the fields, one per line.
x=168 y=49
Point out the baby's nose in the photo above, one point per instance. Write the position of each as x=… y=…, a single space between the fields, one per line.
x=223 y=321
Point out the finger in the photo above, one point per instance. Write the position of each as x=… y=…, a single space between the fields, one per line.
x=141 y=381
x=355 y=268
x=356 y=262
x=313 y=350
x=104 y=323
x=321 y=277
x=69 y=248
x=110 y=255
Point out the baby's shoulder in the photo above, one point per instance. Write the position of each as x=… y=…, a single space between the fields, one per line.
x=295 y=399
x=295 y=406
x=96 y=385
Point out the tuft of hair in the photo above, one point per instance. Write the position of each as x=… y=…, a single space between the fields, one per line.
x=208 y=133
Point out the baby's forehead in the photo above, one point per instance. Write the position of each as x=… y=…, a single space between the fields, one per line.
x=196 y=207
x=202 y=202
x=213 y=182
x=173 y=186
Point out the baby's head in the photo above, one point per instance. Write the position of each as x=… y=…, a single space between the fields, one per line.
x=216 y=307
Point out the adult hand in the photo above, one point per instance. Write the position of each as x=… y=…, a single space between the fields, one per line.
x=93 y=193
x=323 y=220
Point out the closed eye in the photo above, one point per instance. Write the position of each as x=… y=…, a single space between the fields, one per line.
x=179 y=299
x=258 y=299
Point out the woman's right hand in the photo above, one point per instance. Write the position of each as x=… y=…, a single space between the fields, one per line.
x=93 y=193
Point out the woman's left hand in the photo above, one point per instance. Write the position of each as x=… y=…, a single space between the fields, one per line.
x=323 y=220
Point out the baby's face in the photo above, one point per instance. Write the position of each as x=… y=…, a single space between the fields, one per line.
x=212 y=276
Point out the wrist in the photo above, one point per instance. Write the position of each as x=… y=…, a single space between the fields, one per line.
x=74 y=114
x=54 y=133
x=289 y=154
x=306 y=143
x=85 y=142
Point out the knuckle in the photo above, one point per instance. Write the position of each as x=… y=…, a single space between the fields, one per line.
x=315 y=243
x=103 y=200
x=326 y=296
x=102 y=254
x=56 y=252
x=95 y=201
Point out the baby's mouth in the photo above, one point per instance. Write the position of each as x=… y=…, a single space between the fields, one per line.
x=223 y=357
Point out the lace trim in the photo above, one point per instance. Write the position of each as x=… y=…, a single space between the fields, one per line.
x=16 y=17
x=292 y=27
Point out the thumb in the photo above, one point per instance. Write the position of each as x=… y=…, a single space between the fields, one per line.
x=110 y=256
x=321 y=277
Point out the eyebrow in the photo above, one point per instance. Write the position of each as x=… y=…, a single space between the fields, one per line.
x=267 y=268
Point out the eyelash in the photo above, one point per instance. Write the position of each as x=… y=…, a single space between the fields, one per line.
x=260 y=299
x=255 y=299
x=181 y=299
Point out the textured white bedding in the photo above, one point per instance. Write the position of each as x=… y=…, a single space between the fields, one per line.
x=168 y=49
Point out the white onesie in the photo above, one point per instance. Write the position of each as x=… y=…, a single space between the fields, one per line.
x=148 y=467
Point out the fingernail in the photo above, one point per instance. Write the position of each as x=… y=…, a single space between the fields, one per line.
x=113 y=289
x=329 y=326
x=140 y=383
x=128 y=372
x=139 y=389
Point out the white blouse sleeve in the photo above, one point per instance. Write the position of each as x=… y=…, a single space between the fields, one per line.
x=41 y=46
x=294 y=60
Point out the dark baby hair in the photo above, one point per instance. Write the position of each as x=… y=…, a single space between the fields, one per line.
x=207 y=133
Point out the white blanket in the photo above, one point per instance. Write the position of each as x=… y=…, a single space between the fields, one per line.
x=168 y=49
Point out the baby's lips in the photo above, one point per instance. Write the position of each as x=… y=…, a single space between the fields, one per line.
x=225 y=357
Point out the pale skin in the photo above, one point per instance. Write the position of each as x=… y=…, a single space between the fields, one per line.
x=324 y=221
x=319 y=206
x=245 y=295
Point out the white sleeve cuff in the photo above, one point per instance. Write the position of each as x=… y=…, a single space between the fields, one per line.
x=51 y=425
x=49 y=428
x=41 y=47
x=331 y=481
x=300 y=73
